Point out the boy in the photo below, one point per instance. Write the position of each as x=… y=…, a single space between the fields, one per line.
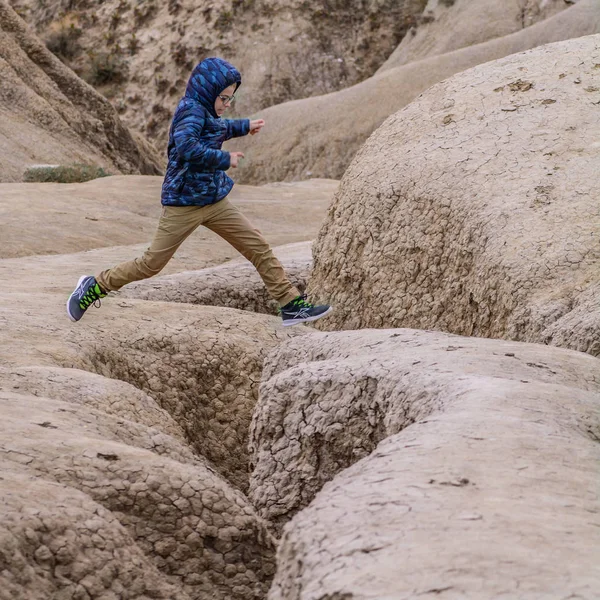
x=194 y=193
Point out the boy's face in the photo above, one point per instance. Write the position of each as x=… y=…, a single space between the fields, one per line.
x=224 y=99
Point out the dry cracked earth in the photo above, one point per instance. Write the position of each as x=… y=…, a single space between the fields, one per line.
x=124 y=436
x=440 y=440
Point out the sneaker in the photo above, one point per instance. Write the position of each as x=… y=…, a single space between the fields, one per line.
x=299 y=310
x=86 y=293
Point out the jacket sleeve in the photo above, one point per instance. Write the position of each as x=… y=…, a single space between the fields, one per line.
x=187 y=135
x=237 y=127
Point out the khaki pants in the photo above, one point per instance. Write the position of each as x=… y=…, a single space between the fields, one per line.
x=178 y=222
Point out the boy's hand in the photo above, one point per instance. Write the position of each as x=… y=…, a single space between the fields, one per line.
x=234 y=158
x=256 y=126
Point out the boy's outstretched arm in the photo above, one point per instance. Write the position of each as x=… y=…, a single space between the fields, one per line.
x=240 y=127
x=237 y=127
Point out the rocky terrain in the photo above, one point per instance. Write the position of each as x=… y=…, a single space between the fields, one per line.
x=429 y=465
x=124 y=440
x=492 y=217
x=436 y=436
x=49 y=115
x=141 y=54
x=143 y=457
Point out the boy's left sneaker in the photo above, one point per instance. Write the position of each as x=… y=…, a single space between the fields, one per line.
x=299 y=310
x=87 y=292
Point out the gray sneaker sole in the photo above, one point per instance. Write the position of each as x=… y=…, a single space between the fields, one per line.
x=292 y=322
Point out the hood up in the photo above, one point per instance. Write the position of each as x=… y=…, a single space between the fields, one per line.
x=209 y=79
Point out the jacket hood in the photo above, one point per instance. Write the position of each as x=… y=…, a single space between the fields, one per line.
x=209 y=79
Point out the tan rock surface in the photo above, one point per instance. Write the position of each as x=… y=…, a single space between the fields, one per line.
x=119 y=208
x=121 y=400
x=49 y=115
x=457 y=466
x=108 y=407
x=146 y=477
x=319 y=136
x=202 y=365
x=58 y=543
x=124 y=210
x=485 y=222
x=199 y=531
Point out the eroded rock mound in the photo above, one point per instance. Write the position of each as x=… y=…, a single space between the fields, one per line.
x=197 y=530
x=448 y=25
x=49 y=115
x=483 y=220
x=110 y=441
x=481 y=449
x=110 y=396
x=319 y=136
x=58 y=543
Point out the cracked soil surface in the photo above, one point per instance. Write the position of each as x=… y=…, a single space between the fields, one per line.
x=123 y=443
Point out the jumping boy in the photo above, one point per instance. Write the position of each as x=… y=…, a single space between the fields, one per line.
x=194 y=193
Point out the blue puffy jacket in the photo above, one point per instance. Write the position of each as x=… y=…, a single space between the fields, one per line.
x=196 y=169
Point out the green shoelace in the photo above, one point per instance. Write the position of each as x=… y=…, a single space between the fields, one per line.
x=91 y=296
x=301 y=301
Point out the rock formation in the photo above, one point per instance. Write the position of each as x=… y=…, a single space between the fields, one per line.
x=199 y=532
x=112 y=442
x=450 y=466
x=105 y=490
x=110 y=396
x=49 y=115
x=482 y=219
x=57 y=542
x=448 y=25
x=202 y=366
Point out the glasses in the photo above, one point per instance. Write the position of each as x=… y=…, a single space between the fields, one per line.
x=226 y=99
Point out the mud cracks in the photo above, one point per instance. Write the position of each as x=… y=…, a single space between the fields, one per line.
x=150 y=468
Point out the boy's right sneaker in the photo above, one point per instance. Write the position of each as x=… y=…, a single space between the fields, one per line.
x=299 y=310
x=87 y=292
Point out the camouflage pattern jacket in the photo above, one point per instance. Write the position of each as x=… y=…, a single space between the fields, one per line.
x=196 y=164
